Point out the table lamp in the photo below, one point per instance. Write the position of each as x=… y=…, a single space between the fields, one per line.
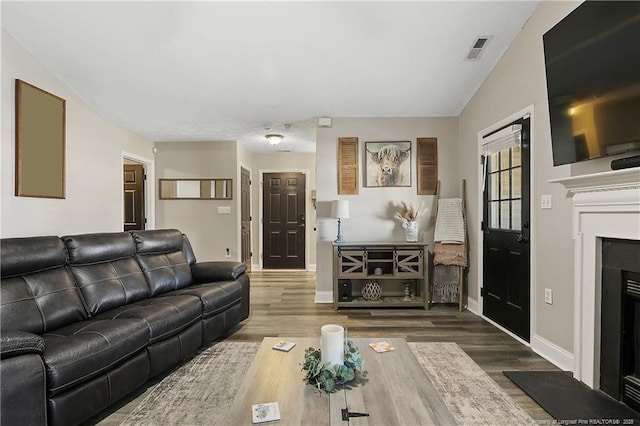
x=340 y=210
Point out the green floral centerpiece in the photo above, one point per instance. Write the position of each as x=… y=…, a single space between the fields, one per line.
x=326 y=376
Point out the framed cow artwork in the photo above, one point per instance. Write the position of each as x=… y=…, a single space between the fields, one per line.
x=387 y=164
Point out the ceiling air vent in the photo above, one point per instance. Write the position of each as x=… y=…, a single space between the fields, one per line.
x=477 y=47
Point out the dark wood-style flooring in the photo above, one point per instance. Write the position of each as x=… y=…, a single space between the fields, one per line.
x=282 y=305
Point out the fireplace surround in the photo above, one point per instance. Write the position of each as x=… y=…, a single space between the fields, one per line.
x=606 y=206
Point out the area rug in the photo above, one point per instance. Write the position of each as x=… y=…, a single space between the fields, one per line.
x=471 y=395
x=570 y=401
x=200 y=391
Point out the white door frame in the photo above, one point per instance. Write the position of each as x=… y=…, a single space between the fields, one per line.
x=532 y=224
x=239 y=209
x=149 y=189
x=261 y=173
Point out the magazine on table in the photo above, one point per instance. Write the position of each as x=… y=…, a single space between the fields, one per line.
x=284 y=346
x=267 y=412
x=382 y=347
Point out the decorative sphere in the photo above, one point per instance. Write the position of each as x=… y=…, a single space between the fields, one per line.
x=371 y=290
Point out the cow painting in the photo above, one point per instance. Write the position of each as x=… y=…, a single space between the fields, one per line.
x=388 y=163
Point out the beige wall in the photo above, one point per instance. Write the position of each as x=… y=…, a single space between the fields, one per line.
x=371 y=211
x=209 y=232
x=518 y=81
x=283 y=161
x=94 y=147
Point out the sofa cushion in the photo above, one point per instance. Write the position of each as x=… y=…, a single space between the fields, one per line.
x=106 y=270
x=37 y=293
x=164 y=316
x=215 y=297
x=80 y=351
x=159 y=253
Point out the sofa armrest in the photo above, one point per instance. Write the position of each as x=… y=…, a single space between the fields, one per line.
x=15 y=343
x=205 y=272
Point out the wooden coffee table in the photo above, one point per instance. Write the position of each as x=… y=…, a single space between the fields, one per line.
x=394 y=389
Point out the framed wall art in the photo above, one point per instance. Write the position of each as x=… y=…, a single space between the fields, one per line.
x=387 y=164
x=40 y=143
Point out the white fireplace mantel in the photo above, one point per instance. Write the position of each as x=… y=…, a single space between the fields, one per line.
x=605 y=205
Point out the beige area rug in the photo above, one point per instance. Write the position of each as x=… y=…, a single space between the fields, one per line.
x=473 y=398
x=200 y=391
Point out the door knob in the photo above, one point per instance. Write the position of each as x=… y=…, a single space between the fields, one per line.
x=521 y=239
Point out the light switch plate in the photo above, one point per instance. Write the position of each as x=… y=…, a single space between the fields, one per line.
x=548 y=296
x=224 y=209
x=545 y=201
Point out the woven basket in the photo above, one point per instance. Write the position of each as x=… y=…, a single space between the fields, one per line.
x=371 y=290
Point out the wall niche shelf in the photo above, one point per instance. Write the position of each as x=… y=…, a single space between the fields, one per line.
x=402 y=265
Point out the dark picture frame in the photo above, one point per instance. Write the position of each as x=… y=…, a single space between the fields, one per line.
x=387 y=164
x=40 y=142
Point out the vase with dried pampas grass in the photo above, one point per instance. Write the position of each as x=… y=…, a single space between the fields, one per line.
x=408 y=214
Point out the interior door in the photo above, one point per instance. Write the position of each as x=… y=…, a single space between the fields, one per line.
x=245 y=218
x=284 y=220
x=507 y=236
x=134 y=217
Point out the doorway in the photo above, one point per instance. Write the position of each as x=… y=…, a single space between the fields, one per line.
x=284 y=227
x=133 y=176
x=143 y=198
x=245 y=217
x=506 y=227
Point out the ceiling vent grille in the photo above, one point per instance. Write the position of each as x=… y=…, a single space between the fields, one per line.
x=477 y=47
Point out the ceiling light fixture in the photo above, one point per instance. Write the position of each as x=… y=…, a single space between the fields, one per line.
x=273 y=138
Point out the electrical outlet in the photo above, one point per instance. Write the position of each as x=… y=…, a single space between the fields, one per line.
x=548 y=296
x=545 y=201
x=224 y=209
x=227 y=253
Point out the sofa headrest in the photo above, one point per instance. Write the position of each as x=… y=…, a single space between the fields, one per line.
x=31 y=254
x=158 y=241
x=99 y=247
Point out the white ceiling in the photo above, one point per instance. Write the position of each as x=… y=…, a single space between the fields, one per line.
x=209 y=71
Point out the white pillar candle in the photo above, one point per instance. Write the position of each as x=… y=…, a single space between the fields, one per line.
x=332 y=344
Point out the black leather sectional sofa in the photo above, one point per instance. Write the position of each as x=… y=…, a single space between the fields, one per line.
x=86 y=319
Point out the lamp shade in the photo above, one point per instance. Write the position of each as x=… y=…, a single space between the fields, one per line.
x=340 y=209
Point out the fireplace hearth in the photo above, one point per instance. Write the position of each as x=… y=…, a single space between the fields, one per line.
x=620 y=321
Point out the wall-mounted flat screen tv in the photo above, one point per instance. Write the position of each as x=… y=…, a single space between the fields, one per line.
x=592 y=60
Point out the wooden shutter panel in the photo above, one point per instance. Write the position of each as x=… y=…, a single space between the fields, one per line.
x=427 y=164
x=348 y=166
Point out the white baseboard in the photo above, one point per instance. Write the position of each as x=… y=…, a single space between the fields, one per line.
x=472 y=305
x=324 y=297
x=312 y=267
x=552 y=353
x=256 y=267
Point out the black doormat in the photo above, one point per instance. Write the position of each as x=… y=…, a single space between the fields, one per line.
x=570 y=401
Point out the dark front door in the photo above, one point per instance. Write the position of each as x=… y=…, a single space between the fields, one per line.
x=133 y=197
x=245 y=218
x=506 y=236
x=284 y=221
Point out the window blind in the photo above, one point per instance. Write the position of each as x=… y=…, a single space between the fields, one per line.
x=510 y=136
